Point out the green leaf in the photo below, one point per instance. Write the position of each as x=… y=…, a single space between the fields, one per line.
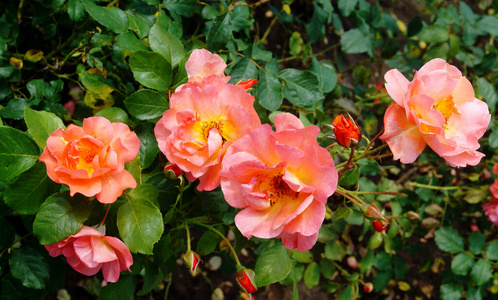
x=305 y=86
x=473 y=293
x=316 y=27
x=111 y=17
x=305 y=257
x=477 y=242
x=488 y=92
x=75 y=9
x=462 y=263
x=41 y=124
x=8 y=291
x=15 y=109
x=146 y=104
x=346 y=293
x=166 y=44
x=346 y=7
x=114 y=114
x=18 y=153
x=273 y=265
x=140 y=222
x=383 y=261
x=350 y=177
x=59 y=217
x=151 y=69
x=269 y=88
x=434 y=33
x=448 y=240
x=381 y=280
x=244 y=69
x=123 y=289
x=492 y=251
x=30 y=190
x=335 y=250
x=130 y=42
x=96 y=83
x=341 y=213
x=326 y=74
x=29 y=267
x=489 y=24
x=184 y=8
x=207 y=243
x=451 y=292
x=260 y=54
x=481 y=272
x=148 y=144
x=312 y=275
x=219 y=33
x=354 y=41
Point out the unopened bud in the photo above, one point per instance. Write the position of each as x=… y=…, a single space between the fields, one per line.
x=379 y=226
x=346 y=131
x=372 y=212
x=192 y=260
x=474 y=228
x=246 y=279
x=368 y=287
x=412 y=215
x=247 y=84
x=172 y=171
x=352 y=262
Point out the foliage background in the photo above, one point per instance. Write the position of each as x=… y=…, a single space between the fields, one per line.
x=317 y=59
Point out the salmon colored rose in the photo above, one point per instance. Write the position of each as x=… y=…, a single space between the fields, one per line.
x=494 y=186
x=202 y=63
x=491 y=210
x=88 y=251
x=437 y=108
x=346 y=132
x=281 y=180
x=90 y=159
x=203 y=120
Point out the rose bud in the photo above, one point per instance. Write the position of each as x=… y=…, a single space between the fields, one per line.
x=246 y=279
x=192 y=260
x=247 y=84
x=346 y=132
x=172 y=171
x=379 y=226
x=368 y=287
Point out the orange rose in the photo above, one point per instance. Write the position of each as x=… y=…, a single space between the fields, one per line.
x=90 y=159
x=345 y=131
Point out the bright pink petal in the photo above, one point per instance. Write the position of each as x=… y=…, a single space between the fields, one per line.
x=102 y=251
x=284 y=121
x=396 y=85
x=202 y=63
x=299 y=241
x=110 y=271
x=258 y=223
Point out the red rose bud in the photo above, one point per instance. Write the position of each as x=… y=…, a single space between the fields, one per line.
x=474 y=228
x=352 y=262
x=192 y=260
x=379 y=226
x=368 y=287
x=246 y=279
x=248 y=83
x=346 y=132
x=172 y=171
x=412 y=215
x=372 y=212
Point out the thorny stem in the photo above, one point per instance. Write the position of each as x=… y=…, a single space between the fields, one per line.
x=237 y=261
x=350 y=196
x=440 y=188
x=105 y=216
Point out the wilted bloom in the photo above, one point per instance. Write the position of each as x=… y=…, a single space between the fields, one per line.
x=346 y=132
x=379 y=226
x=192 y=260
x=88 y=251
x=203 y=120
x=202 y=63
x=437 y=108
x=246 y=278
x=491 y=210
x=90 y=159
x=281 y=180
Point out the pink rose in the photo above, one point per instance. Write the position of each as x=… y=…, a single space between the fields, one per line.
x=90 y=159
x=202 y=63
x=88 y=251
x=203 y=120
x=281 y=180
x=494 y=186
x=491 y=210
x=437 y=108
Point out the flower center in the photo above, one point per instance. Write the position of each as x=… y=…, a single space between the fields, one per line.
x=207 y=126
x=446 y=107
x=278 y=190
x=87 y=153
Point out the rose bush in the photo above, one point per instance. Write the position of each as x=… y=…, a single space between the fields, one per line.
x=437 y=108
x=281 y=180
x=89 y=250
x=90 y=159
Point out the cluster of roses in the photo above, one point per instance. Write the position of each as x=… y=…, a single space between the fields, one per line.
x=280 y=179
